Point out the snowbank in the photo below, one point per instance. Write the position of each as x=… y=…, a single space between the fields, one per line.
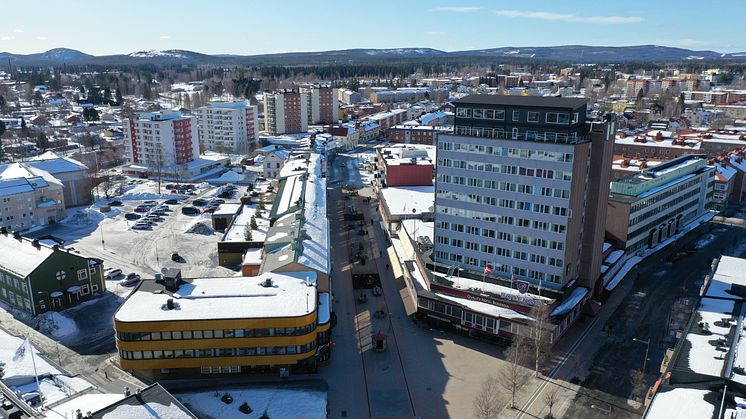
x=57 y=324
x=88 y=215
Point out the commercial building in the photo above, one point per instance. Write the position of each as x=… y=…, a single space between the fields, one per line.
x=176 y=328
x=36 y=277
x=29 y=197
x=74 y=176
x=522 y=187
x=391 y=118
x=228 y=127
x=162 y=141
x=405 y=165
x=655 y=144
x=323 y=104
x=647 y=208
x=286 y=111
x=414 y=134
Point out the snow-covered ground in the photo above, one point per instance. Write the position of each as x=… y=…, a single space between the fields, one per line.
x=57 y=324
x=278 y=403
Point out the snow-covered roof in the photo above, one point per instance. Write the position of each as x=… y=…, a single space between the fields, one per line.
x=324 y=308
x=730 y=271
x=89 y=402
x=487 y=309
x=704 y=357
x=53 y=163
x=403 y=200
x=570 y=302
x=505 y=293
x=613 y=257
x=681 y=403
x=21 y=257
x=291 y=294
x=37 y=177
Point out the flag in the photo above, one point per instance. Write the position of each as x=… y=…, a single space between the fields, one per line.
x=487 y=270
x=21 y=351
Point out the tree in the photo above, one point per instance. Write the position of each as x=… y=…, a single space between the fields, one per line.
x=108 y=185
x=513 y=376
x=258 y=211
x=488 y=403
x=253 y=224
x=90 y=114
x=89 y=141
x=42 y=142
x=38 y=98
x=118 y=96
x=2 y=128
x=247 y=234
x=107 y=94
x=637 y=378
x=551 y=397
x=540 y=333
x=3 y=104
x=25 y=131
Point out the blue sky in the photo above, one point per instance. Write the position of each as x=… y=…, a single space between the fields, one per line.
x=254 y=27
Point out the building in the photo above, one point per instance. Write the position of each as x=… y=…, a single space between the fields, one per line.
x=655 y=144
x=647 y=208
x=74 y=175
x=177 y=328
x=29 y=197
x=405 y=165
x=228 y=127
x=273 y=162
x=413 y=134
x=147 y=402
x=704 y=373
x=323 y=104
x=391 y=118
x=349 y=96
x=286 y=111
x=36 y=277
x=623 y=166
x=347 y=134
x=161 y=141
x=521 y=187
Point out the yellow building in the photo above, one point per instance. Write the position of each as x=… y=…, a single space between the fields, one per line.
x=173 y=327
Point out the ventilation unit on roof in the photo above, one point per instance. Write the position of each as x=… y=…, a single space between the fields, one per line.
x=267 y=283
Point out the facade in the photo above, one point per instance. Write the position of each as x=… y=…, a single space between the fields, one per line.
x=347 y=134
x=204 y=327
x=413 y=134
x=273 y=162
x=228 y=127
x=391 y=118
x=323 y=104
x=286 y=111
x=76 y=181
x=405 y=165
x=29 y=197
x=521 y=187
x=648 y=208
x=652 y=145
x=162 y=141
x=35 y=277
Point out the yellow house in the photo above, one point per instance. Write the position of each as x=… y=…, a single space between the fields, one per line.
x=173 y=327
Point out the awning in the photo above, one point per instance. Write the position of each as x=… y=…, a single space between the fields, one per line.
x=74 y=289
x=395 y=264
x=55 y=294
x=577 y=295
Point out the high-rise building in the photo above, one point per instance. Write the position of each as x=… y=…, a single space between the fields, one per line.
x=323 y=104
x=161 y=140
x=286 y=111
x=522 y=187
x=227 y=127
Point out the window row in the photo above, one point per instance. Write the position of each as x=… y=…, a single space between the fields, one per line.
x=216 y=334
x=478 y=265
x=506 y=151
x=659 y=197
x=218 y=352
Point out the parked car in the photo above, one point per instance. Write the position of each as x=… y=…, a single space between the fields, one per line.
x=199 y=202
x=217 y=201
x=131 y=279
x=190 y=211
x=141 y=225
x=132 y=216
x=115 y=203
x=171 y=202
x=140 y=209
x=208 y=210
x=169 y=186
x=176 y=257
x=191 y=193
x=226 y=194
x=112 y=273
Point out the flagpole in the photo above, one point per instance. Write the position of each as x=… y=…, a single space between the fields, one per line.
x=36 y=375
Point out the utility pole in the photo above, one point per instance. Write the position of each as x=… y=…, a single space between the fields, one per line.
x=647 y=349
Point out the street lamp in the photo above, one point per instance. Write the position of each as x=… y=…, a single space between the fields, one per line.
x=647 y=348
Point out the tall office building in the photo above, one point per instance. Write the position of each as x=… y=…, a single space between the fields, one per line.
x=522 y=187
x=166 y=139
x=227 y=127
x=286 y=111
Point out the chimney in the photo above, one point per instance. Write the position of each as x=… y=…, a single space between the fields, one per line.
x=17 y=235
x=78 y=414
x=36 y=243
x=4 y=231
x=55 y=247
x=170 y=303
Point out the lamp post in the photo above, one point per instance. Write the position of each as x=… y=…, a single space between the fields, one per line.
x=647 y=348
x=608 y=412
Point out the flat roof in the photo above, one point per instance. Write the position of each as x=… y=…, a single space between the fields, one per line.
x=292 y=294
x=537 y=101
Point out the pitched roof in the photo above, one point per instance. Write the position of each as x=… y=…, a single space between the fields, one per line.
x=53 y=163
x=151 y=402
x=21 y=257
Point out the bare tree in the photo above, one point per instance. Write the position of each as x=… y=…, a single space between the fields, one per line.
x=488 y=403
x=513 y=375
x=540 y=334
x=107 y=185
x=551 y=397
x=158 y=166
x=637 y=378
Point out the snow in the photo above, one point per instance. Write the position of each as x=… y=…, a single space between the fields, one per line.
x=57 y=324
x=315 y=245
x=90 y=402
x=147 y=411
x=681 y=403
x=499 y=290
x=730 y=270
x=22 y=258
x=418 y=228
x=621 y=273
x=157 y=53
x=570 y=302
x=21 y=371
x=665 y=186
x=278 y=402
x=226 y=298
x=488 y=309
x=704 y=357
x=704 y=241
x=407 y=200
x=613 y=257
x=253 y=256
x=54 y=388
x=324 y=312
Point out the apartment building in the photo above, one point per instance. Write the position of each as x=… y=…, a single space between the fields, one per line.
x=74 y=176
x=521 y=188
x=172 y=327
x=161 y=140
x=405 y=165
x=29 y=197
x=286 y=111
x=228 y=127
x=323 y=104
x=655 y=144
x=647 y=208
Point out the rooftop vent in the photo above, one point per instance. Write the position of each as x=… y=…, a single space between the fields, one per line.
x=17 y=235
x=170 y=303
x=36 y=243
x=267 y=283
x=4 y=231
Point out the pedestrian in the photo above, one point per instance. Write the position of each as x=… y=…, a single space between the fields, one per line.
x=106 y=375
x=387 y=266
x=380 y=253
x=371 y=222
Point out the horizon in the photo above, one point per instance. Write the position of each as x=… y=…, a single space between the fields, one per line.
x=240 y=28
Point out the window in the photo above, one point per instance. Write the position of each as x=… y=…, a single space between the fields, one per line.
x=532 y=116
x=557 y=118
x=515 y=133
x=463 y=112
x=516 y=116
x=82 y=274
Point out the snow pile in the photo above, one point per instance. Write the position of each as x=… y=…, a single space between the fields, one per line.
x=201 y=228
x=88 y=216
x=56 y=324
x=279 y=403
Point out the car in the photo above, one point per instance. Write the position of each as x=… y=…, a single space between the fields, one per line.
x=176 y=257
x=169 y=186
x=132 y=216
x=115 y=203
x=199 y=202
x=226 y=194
x=153 y=219
x=131 y=279
x=217 y=201
x=149 y=204
x=208 y=210
x=112 y=273
x=191 y=193
x=141 y=226
x=157 y=212
x=141 y=209
x=190 y=211
x=171 y=202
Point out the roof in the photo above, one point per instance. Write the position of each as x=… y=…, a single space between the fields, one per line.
x=21 y=257
x=151 y=402
x=536 y=101
x=291 y=294
x=53 y=163
x=404 y=200
x=26 y=170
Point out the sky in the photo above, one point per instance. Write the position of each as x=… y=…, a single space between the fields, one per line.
x=257 y=27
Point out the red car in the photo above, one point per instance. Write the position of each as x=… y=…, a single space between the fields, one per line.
x=209 y=210
x=140 y=209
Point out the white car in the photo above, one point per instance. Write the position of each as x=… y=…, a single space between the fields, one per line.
x=112 y=273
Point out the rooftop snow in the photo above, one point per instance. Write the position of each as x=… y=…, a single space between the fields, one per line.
x=681 y=403
x=226 y=298
x=21 y=257
x=489 y=287
x=730 y=271
x=704 y=357
x=324 y=308
x=570 y=302
x=488 y=309
x=403 y=200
